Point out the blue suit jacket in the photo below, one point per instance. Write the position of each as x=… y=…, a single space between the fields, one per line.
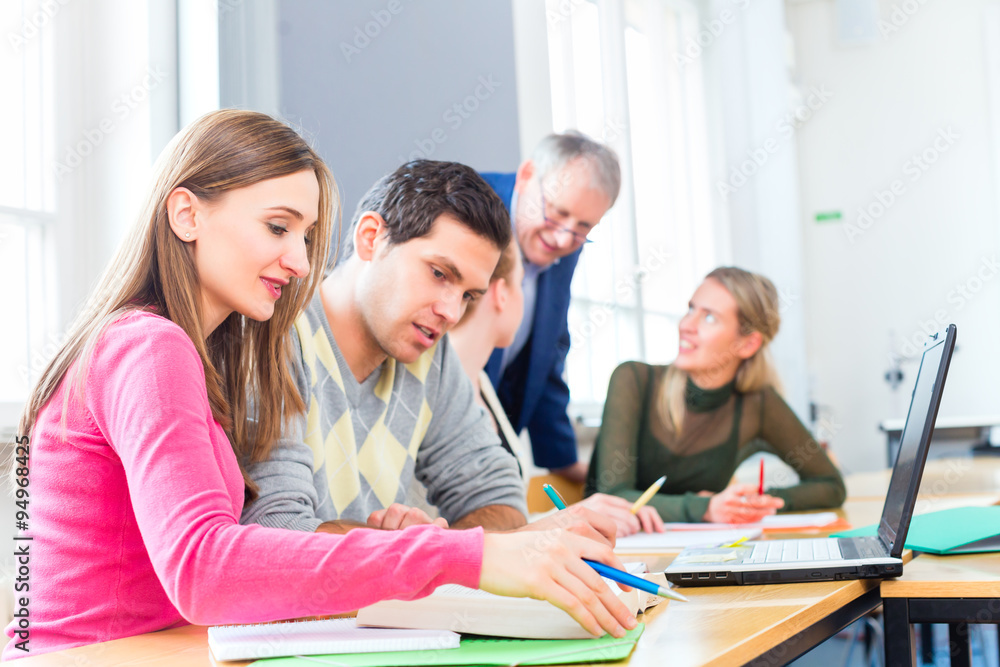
x=532 y=390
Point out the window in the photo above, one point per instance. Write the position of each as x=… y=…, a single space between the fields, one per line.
x=615 y=76
x=27 y=201
x=81 y=125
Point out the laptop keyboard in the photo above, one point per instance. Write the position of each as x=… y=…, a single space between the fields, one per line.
x=788 y=551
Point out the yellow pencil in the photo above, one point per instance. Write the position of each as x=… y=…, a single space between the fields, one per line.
x=650 y=492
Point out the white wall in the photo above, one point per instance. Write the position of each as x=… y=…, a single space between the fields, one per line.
x=869 y=290
x=116 y=84
x=534 y=93
x=755 y=184
x=377 y=82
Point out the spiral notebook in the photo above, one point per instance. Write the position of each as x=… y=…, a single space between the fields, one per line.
x=324 y=636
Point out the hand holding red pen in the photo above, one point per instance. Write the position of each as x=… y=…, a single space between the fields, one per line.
x=741 y=503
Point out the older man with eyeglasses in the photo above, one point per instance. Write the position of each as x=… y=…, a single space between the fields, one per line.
x=556 y=198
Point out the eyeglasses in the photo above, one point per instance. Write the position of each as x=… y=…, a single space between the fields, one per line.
x=578 y=239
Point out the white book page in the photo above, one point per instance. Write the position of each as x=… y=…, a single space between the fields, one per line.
x=679 y=540
x=807 y=520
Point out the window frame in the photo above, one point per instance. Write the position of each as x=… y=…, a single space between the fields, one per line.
x=629 y=264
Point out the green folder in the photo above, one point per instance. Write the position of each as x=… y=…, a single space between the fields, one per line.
x=481 y=651
x=962 y=530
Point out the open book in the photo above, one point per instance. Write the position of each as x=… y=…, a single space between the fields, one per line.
x=467 y=610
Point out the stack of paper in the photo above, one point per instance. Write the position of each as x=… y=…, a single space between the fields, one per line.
x=332 y=635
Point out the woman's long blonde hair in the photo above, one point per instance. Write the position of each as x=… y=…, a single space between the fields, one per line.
x=246 y=362
x=757 y=308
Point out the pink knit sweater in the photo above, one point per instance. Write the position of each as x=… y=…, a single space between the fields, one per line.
x=135 y=515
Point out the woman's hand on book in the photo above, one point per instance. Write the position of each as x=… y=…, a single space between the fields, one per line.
x=740 y=503
x=548 y=565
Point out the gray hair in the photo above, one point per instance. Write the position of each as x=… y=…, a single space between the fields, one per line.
x=557 y=150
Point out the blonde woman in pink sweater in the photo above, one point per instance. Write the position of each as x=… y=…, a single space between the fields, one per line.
x=139 y=429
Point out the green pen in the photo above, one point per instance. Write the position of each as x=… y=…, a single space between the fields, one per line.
x=554 y=496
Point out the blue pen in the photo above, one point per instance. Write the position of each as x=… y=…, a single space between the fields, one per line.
x=554 y=496
x=633 y=581
x=610 y=572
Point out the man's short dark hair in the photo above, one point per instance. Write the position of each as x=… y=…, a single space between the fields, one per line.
x=411 y=198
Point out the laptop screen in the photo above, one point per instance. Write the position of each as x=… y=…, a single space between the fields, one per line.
x=914 y=441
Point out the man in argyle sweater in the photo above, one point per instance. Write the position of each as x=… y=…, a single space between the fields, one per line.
x=387 y=400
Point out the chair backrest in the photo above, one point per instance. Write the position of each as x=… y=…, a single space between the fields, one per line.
x=571 y=492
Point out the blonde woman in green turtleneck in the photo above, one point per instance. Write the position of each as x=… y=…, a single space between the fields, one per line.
x=697 y=419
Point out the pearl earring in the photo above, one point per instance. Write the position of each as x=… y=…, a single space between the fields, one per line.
x=187 y=235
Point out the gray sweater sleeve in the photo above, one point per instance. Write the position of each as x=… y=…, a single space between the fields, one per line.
x=289 y=496
x=461 y=461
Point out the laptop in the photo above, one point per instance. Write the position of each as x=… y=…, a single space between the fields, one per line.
x=824 y=559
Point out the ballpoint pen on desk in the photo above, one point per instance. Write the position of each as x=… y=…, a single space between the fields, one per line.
x=760 y=486
x=610 y=572
x=647 y=494
x=634 y=581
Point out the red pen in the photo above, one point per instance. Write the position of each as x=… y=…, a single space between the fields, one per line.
x=760 y=487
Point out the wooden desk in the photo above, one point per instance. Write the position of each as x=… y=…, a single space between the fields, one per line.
x=768 y=625
x=166 y=648
x=942 y=477
x=759 y=625
x=731 y=625
x=726 y=625
x=957 y=590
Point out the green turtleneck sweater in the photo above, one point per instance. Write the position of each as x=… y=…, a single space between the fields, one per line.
x=721 y=428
